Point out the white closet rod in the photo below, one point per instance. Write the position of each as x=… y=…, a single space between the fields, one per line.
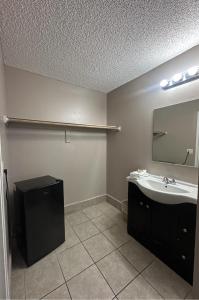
x=9 y=120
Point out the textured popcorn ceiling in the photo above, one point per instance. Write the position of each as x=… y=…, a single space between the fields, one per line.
x=98 y=44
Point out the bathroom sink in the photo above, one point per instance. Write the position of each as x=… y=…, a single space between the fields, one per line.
x=154 y=188
x=161 y=186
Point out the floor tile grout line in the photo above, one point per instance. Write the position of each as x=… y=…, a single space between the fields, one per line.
x=108 y=239
x=149 y=281
x=100 y=271
x=131 y=262
x=80 y=272
x=59 y=252
x=89 y=236
x=117 y=247
x=139 y=273
x=78 y=223
x=52 y=291
x=155 y=259
x=88 y=215
x=152 y=286
x=82 y=241
x=105 y=280
x=99 y=228
x=72 y=225
x=127 y=284
x=105 y=256
x=147 y=266
x=113 y=243
x=63 y=276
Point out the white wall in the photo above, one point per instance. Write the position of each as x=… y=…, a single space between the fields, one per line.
x=5 y=258
x=131 y=106
x=36 y=152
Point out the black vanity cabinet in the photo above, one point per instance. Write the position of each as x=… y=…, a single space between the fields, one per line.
x=139 y=212
x=166 y=230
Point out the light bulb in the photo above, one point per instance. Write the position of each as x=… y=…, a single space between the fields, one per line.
x=164 y=83
x=192 y=71
x=177 y=77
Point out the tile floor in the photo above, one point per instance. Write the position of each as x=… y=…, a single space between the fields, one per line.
x=98 y=260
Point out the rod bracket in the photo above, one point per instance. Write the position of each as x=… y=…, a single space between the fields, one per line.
x=67 y=136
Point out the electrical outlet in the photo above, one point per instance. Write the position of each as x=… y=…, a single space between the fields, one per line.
x=190 y=151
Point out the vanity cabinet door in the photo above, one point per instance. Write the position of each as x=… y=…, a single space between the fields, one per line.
x=139 y=215
x=163 y=228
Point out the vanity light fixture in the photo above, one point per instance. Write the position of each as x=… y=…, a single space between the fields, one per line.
x=192 y=71
x=164 y=83
x=181 y=78
x=177 y=77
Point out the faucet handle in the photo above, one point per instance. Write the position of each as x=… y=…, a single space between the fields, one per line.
x=173 y=180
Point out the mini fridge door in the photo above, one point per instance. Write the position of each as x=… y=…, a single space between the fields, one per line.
x=44 y=221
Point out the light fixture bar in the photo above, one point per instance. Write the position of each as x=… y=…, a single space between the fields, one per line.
x=180 y=78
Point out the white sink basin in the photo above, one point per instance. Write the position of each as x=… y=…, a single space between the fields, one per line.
x=154 y=188
x=161 y=186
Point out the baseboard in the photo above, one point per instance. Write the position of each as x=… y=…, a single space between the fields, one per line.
x=121 y=205
x=114 y=201
x=69 y=208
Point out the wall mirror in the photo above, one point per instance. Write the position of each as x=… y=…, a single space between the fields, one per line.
x=176 y=134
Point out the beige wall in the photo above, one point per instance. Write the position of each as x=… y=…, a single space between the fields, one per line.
x=132 y=107
x=36 y=152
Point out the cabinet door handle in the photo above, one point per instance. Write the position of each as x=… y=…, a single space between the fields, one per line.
x=45 y=193
x=183 y=257
x=184 y=230
x=141 y=203
x=147 y=206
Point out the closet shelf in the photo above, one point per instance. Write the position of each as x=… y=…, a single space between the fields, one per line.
x=14 y=120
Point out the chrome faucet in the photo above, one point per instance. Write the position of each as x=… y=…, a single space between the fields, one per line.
x=169 y=181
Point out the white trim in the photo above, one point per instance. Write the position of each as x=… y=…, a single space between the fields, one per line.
x=77 y=205
x=197 y=143
x=85 y=200
x=115 y=199
x=3 y=225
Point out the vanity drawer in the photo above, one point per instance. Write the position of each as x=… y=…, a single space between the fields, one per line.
x=184 y=265
x=185 y=239
x=185 y=234
x=185 y=247
x=187 y=219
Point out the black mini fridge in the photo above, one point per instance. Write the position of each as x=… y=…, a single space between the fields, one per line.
x=39 y=211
